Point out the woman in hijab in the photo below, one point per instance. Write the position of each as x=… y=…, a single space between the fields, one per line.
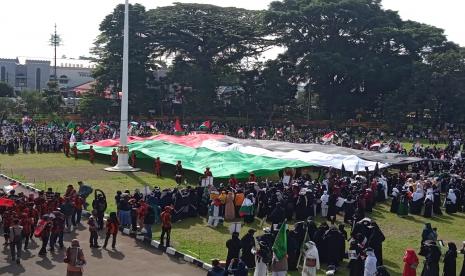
x=324 y=204
x=410 y=263
x=432 y=255
x=312 y=260
x=429 y=201
x=449 y=260
x=451 y=202
x=395 y=200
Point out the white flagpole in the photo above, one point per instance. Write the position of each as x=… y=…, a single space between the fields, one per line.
x=123 y=164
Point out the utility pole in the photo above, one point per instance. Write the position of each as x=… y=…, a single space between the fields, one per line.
x=55 y=41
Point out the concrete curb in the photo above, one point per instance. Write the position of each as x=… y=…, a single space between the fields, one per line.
x=126 y=231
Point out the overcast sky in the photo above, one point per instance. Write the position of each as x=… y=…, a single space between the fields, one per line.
x=26 y=25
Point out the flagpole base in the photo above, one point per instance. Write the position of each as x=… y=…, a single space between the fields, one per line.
x=122 y=165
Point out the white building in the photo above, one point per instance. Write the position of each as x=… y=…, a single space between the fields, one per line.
x=33 y=74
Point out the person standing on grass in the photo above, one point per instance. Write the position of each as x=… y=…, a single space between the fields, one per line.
x=75 y=151
x=112 y=230
x=91 y=154
x=410 y=263
x=166 y=226
x=178 y=173
x=114 y=157
x=234 y=247
x=157 y=166
x=450 y=260
x=16 y=241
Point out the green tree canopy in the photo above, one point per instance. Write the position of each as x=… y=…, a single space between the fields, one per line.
x=6 y=90
x=204 y=40
x=109 y=55
x=351 y=51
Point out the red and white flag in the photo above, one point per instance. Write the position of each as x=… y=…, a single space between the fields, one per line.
x=375 y=144
x=252 y=134
x=329 y=136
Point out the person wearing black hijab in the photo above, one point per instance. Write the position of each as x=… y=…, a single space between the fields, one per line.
x=462 y=272
x=247 y=243
x=450 y=260
x=432 y=255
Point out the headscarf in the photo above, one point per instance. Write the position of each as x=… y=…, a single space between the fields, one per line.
x=451 y=196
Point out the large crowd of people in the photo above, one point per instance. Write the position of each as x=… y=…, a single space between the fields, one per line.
x=339 y=201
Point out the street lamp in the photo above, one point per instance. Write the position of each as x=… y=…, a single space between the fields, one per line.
x=123 y=165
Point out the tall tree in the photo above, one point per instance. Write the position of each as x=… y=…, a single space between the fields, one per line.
x=351 y=51
x=109 y=52
x=435 y=92
x=6 y=90
x=203 y=39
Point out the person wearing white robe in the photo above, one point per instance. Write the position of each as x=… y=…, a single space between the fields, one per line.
x=324 y=204
x=370 y=263
x=312 y=258
x=261 y=268
x=452 y=196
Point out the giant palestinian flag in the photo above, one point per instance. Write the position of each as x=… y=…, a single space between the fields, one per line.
x=226 y=155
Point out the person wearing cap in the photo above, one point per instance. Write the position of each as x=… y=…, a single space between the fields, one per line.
x=248 y=243
x=74 y=257
x=370 y=263
x=216 y=269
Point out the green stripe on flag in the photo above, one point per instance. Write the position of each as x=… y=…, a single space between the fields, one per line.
x=222 y=164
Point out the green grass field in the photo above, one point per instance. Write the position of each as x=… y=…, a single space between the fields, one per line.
x=192 y=236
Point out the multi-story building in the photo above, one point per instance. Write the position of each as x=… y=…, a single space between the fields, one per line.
x=33 y=74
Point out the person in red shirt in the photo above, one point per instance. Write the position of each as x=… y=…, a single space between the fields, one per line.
x=158 y=166
x=233 y=181
x=141 y=212
x=75 y=151
x=114 y=157
x=133 y=159
x=112 y=230
x=91 y=154
x=66 y=147
x=166 y=226
x=26 y=222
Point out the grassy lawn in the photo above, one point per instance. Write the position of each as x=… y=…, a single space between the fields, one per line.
x=192 y=236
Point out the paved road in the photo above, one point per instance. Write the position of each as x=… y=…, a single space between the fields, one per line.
x=130 y=258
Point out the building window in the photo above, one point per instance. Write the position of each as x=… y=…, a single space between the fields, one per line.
x=38 y=79
x=3 y=74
